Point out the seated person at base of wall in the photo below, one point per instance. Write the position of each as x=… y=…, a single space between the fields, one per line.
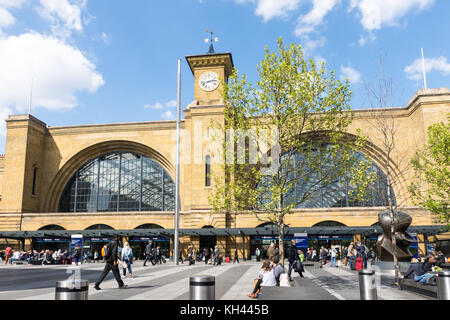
x=420 y=272
x=266 y=277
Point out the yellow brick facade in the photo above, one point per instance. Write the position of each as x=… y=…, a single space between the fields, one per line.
x=58 y=152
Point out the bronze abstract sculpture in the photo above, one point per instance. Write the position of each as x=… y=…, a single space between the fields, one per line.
x=385 y=248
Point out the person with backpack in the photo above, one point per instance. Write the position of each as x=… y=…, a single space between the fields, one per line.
x=76 y=253
x=293 y=257
x=149 y=253
x=111 y=264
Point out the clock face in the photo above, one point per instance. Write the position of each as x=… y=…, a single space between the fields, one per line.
x=209 y=81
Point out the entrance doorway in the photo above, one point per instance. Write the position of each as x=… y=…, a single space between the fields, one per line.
x=138 y=244
x=207 y=242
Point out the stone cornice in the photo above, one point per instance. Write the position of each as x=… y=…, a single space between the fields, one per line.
x=115 y=127
x=208 y=60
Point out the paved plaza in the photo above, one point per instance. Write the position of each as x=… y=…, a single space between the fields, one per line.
x=171 y=282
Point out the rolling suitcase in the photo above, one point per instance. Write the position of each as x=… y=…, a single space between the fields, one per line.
x=352 y=263
x=359 y=263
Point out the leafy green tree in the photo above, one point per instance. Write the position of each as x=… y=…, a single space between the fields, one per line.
x=303 y=111
x=431 y=186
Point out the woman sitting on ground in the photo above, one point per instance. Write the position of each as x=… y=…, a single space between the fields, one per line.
x=266 y=277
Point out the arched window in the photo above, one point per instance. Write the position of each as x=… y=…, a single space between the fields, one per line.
x=208 y=171
x=329 y=224
x=149 y=226
x=51 y=227
x=100 y=227
x=119 y=181
x=336 y=193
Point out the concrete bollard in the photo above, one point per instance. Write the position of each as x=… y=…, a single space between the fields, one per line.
x=202 y=288
x=443 y=285
x=367 y=286
x=72 y=290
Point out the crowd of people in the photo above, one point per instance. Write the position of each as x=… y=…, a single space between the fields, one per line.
x=208 y=256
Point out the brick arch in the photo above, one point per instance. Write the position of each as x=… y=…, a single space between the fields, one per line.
x=63 y=176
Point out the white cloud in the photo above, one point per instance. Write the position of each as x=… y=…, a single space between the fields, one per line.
x=269 y=9
x=375 y=14
x=58 y=69
x=171 y=103
x=351 y=74
x=309 y=45
x=168 y=115
x=364 y=40
x=157 y=105
x=4 y=113
x=12 y=3
x=310 y=21
x=64 y=15
x=6 y=18
x=414 y=70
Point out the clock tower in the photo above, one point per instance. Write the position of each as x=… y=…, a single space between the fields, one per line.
x=209 y=71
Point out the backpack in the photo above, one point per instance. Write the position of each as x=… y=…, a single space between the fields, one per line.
x=108 y=251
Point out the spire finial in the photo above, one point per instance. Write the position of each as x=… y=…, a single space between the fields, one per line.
x=211 y=41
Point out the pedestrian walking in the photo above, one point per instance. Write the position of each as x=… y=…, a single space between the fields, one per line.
x=111 y=264
x=271 y=251
x=76 y=253
x=96 y=256
x=217 y=256
x=206 y=255
x=258 y=255
x=148 y=253
x=293 y=257
x=236 y=256
x=211 y=254
x=103 y=253
x=8 y=253
x=127 y=259
x=180 y=257
x=158 y=255
x=333 y=257
x=191 y=252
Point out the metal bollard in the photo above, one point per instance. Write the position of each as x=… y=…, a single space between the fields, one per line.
x=202 y=288
x=72 y=290
x=443 y=285
x=367 y=286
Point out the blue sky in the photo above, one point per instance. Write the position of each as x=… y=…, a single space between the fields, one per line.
x=107 y=61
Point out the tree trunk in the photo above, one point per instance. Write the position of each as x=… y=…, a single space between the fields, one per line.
x=281 y=243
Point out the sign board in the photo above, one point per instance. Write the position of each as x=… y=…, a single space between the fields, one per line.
x=147 y=239
x=301 y=241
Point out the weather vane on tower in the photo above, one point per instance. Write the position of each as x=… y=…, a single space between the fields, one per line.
x=212 y=40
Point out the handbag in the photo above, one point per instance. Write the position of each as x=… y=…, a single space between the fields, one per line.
x=124 y=264
x=284 y=281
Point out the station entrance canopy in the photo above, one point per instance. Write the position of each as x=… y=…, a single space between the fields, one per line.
x=311 y=231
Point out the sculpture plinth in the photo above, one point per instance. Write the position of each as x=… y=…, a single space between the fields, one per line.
x=403 y=239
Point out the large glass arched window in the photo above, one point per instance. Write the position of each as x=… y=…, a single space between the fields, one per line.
x=119 y=181
x=339 y=192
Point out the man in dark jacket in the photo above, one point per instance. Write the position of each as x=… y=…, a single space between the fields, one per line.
x=293 y=258
x=415 y=269
x=111 y=264
x=149 y=253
